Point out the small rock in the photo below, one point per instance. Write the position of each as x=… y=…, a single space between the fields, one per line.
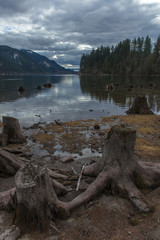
x=38 y=87
x=67 y=159
x=21 y=89
x=97 y=127
x=47 y=85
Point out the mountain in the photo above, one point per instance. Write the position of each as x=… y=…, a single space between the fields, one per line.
x=14 y=61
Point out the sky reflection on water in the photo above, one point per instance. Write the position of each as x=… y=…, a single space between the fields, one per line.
x=71 y=97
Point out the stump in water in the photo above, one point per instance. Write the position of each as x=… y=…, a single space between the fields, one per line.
x=11 y=132
x=140 y=106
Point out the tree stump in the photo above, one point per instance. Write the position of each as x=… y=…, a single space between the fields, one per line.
x=37 y=202
x=11 y=132
x=119 y=172
x=140 y=106
x=32 y=198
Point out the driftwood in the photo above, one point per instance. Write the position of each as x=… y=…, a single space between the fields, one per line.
x=11 y=131
x=9 y=163
x=140 y=106
x=118 y=171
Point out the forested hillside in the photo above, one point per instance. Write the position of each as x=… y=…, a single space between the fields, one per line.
x=14 y=61
x=137 y=56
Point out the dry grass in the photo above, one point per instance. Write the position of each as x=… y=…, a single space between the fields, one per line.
x=144 y=147
x=44 y=138
x=54 y=128
x=147 y=130
x=141 y=119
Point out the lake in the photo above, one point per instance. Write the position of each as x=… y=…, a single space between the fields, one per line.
x=73 y=97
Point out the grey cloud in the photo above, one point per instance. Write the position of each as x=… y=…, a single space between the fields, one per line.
x=58 y=27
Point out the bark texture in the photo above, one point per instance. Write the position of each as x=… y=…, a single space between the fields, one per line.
x=140 y=106
x=32 y=203
x=11 y=131
x=37 y=202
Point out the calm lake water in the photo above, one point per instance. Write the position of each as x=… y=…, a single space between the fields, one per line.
x=73 y=97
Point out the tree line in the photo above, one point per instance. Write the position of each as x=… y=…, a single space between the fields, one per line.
x=137 y=56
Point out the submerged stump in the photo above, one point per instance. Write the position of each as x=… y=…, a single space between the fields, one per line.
x=140 y=106
x=11 y=131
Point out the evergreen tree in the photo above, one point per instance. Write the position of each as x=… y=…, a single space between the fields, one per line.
x=147 y=46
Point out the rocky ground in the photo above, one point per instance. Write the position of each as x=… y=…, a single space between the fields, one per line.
x=107 y=216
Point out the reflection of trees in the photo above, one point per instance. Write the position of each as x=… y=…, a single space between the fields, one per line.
x=123 y=95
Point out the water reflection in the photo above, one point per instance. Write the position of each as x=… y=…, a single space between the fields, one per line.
x=72 y=97
x=126 y=88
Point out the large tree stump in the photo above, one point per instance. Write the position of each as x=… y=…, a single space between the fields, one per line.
x=11 y=131
x=119 y=172
x=140 y=106
x=37 y=202
x=32 y=187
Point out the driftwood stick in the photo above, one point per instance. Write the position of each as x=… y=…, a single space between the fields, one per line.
x=53 y=174
x=74 y=171
x=80 y=176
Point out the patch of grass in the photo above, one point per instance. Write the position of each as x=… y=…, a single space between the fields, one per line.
x=140 y=119
x=147 y=130
x=144 y=146
x=68 y=136
x=109 y=119
x=80 y=123
x=43 y=138
x=54 y=128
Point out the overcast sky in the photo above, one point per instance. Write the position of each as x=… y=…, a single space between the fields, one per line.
x=65 y=29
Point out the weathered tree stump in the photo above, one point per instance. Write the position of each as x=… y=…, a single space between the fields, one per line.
x=140 y=106
x=119 y=172
x=37 y=202
x=32 y=189
x=11 y=131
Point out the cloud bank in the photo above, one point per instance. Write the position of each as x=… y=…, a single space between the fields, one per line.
x=65 y=29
